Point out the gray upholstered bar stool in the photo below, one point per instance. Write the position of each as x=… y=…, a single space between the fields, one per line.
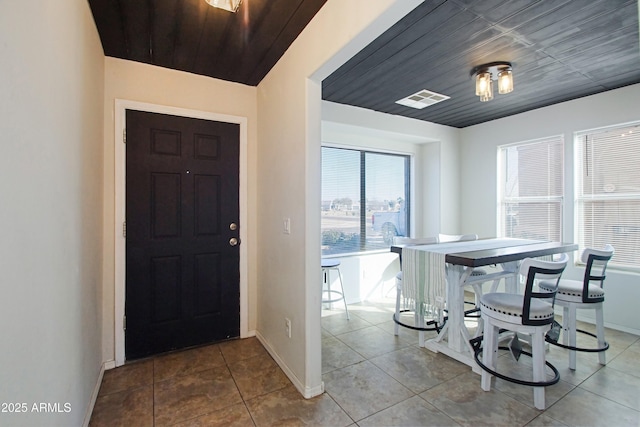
x=586 y=294
x=332 y=295
x=531 y=314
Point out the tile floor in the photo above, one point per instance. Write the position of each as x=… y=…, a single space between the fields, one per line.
x=372 y=378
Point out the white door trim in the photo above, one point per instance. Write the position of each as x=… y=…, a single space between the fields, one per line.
x=120 y=197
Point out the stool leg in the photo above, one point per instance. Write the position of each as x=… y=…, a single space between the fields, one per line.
x=571 y=323
x=420 y=313
x=344 y=298
x=600 y=333
x=537 y=350
x=489 y=349
x=477 y=290
x=326 y=277
x=396 y=327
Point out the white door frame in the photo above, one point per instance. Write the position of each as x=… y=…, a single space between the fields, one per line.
x=120 y=205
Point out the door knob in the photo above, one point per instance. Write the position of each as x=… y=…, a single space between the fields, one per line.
x=233 y=241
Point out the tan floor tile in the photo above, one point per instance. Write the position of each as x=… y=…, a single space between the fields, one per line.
x=583 y=408
x=419 y=369
x=132 y=407
x=257 y=375
x=192 y=395
x=586 y=364
x=615 y=385
x=544 y=421
x=206 y=385
x=627 y=362
x=364 y=389
x=231 y=416
x=463 y=400
x=287 y=407
x=187 y=362
x=131 y=375
x=372 y=341
x=336 y=354
x=337 y=324
x=410 y=412
x=372 y=313
x=242 y=349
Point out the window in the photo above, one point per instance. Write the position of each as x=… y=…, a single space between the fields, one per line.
x=365 y=200
x=531 y=189
x=608 y=191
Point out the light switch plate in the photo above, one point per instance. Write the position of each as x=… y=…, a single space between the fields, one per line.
x=286 y=225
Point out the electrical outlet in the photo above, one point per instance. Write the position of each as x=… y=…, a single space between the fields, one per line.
x=287 y=327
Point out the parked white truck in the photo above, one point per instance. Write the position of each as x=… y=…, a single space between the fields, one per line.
x=390 y=224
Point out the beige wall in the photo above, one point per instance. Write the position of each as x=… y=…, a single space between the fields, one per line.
x=289 y=114
x=132 y=81
x=51 y=211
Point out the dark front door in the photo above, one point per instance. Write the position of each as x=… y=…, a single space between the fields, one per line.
x=182 y=236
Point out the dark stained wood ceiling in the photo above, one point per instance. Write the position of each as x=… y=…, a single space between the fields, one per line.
x=190 y=35
x=560 y=49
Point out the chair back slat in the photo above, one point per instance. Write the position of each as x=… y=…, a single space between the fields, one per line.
x=594 y=273
x=533 y=270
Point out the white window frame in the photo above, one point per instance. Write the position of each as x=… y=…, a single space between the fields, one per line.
x=412 y=187
x=579 y=198
x=501 y=176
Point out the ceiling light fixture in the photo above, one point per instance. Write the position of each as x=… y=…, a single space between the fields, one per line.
x=485 y=75
x=230 y=5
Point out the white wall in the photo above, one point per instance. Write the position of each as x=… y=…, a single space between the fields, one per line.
x=51 y=209
x=434 y=178
x=289 y=110
x=479 y=187
x=132 y=81
x=435 y=149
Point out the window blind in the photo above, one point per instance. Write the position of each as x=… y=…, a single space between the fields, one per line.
x=608 y=191
x=365 y=199
x=531 y=189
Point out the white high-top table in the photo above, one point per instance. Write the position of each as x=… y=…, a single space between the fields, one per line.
x=461 y=258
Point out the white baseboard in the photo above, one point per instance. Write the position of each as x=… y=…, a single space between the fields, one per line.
x=96 y=390
x=307 y=392
x=248 y=334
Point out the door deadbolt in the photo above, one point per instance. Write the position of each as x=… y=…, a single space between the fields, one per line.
x=233 y=226
x=233 y=241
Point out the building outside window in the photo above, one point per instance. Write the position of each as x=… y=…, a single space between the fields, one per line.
x=531 y=189
x=608 y=191
x=365 y=200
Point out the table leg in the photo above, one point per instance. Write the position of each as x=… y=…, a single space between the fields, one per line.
x=455 y=305
x=511 y=283
x=456 y=344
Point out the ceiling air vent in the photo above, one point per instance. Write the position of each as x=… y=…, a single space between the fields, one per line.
x=422 y=99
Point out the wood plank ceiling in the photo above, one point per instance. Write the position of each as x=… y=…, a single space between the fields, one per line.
x=560 y=49
x=190 y=35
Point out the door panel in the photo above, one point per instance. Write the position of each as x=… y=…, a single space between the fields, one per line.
x=182 y=278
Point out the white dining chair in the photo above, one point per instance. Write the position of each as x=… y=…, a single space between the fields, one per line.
x=586 y=294
x=530 y=313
